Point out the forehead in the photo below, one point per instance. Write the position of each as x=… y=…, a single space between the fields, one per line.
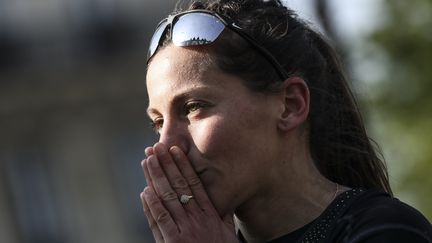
x=181 y=61
x=178 y=69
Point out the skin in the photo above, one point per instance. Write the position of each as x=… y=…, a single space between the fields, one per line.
x=236 y=151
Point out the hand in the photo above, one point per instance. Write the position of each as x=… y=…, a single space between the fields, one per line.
x=169 y=174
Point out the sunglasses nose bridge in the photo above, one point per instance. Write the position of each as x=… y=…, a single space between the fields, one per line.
x=170 y=19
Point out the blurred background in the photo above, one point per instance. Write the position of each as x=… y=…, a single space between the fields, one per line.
x=72 y=107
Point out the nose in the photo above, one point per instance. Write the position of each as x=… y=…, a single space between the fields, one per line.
x=175 y=133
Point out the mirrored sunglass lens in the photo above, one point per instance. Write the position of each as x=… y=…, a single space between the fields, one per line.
x=156 y=38
x=196 y=29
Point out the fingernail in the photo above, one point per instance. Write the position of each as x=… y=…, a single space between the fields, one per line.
x=175 y=151
x=159 y=148
x=147 y=151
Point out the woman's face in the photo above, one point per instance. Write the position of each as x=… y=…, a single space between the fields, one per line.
x=228 y=132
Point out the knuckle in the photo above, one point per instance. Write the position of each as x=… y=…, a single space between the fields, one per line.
x=194 y=181
x=151 y=202
x=152 y=225
x=163 y=217
x=169 y=196
x=180 y=183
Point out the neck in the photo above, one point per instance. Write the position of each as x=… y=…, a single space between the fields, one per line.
x=297 y=195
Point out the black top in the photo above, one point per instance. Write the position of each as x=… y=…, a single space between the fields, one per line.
x=359 y=216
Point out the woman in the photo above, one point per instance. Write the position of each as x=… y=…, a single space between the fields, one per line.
x=260 y=137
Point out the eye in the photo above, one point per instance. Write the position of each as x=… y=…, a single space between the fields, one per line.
x=157 y=124
x=194 y=106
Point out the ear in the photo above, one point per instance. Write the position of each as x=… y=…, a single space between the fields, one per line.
x=295 y=100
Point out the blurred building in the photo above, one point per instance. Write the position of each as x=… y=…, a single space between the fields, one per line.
x=72 y=119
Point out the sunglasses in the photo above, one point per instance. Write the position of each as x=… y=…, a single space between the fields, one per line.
x=203 y=27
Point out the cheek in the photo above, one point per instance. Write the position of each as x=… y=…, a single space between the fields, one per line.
x=223 y=139
x=211 y=136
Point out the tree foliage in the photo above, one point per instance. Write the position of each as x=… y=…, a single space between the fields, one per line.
x=404 y=102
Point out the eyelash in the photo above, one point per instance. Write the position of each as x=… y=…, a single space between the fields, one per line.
x=193 y=106
x=189 y=107
x=156 y=124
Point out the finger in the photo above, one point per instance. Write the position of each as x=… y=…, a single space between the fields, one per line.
x=152 y=223
x=229 y=222
x=164 y=190
x=146 y=173
x=192 y=179
x=167 y=227
x=148 y=151
x=175 y=178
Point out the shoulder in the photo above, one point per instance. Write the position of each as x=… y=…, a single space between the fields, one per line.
x=377 y=217
x=378 y=207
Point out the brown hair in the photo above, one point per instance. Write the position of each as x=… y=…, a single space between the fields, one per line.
x=339 y=145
